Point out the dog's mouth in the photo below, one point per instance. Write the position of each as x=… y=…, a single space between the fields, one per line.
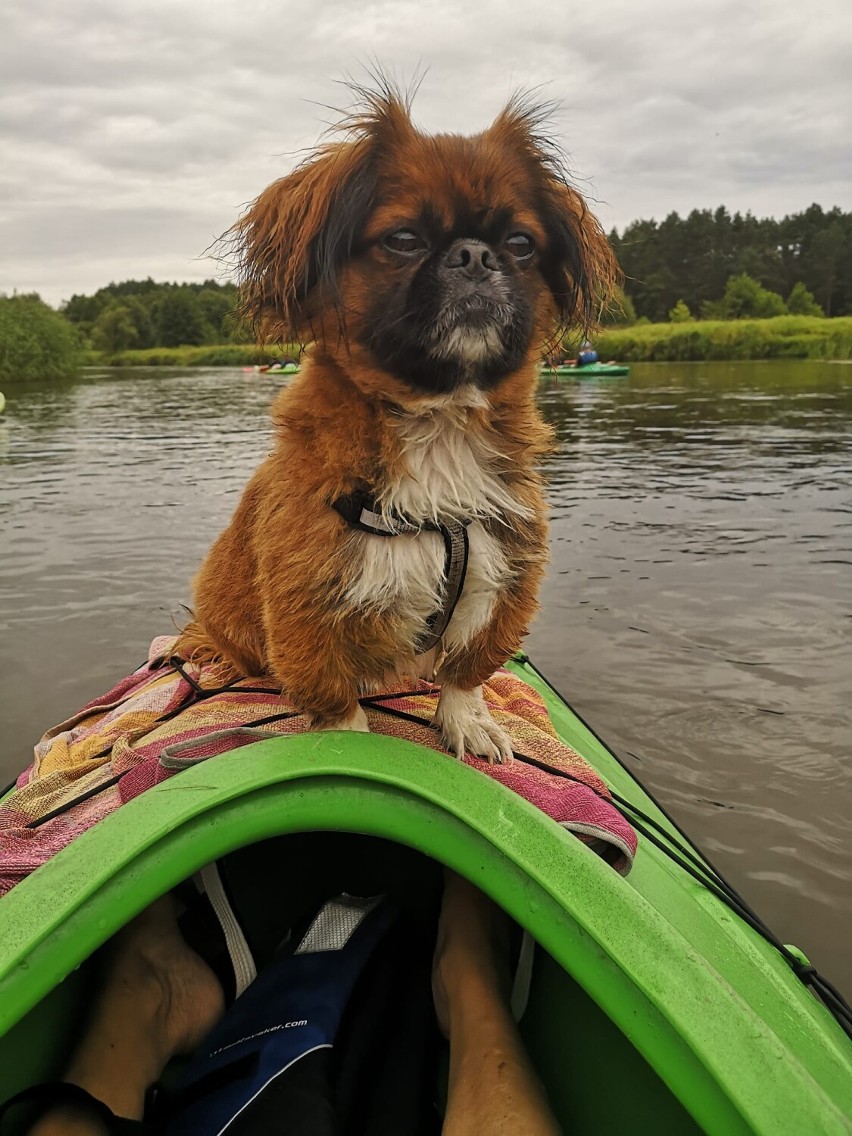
x=468 y=328
x=454 y=332
x=473 y=310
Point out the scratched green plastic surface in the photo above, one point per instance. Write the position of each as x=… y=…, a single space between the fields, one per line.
x=686 y=989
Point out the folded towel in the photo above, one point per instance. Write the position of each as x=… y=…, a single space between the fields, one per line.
x=169 y=714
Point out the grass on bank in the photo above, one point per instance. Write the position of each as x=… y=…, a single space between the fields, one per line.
x=209 y=355
x=783 y=337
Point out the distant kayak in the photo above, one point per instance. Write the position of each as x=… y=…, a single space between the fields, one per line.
x=614 y=370
x=273 y=369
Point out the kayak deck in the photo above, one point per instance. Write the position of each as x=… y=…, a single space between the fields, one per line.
x=647 y=982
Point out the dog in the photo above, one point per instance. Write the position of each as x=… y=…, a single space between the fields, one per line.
x=398 y=528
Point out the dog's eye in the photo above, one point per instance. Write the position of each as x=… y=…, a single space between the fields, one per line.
x=403 y=240
x=520 y=246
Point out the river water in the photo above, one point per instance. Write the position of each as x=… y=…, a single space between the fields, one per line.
x=698 y=609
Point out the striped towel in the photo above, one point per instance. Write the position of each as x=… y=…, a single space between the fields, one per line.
x=169 y=714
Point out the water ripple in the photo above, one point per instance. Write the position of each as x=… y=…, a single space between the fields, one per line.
x=698 y=604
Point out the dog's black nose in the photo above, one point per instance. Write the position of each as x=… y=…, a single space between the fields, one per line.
x=470 y=258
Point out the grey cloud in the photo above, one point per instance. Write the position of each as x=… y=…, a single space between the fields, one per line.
x=121 y=231
x=133 y=133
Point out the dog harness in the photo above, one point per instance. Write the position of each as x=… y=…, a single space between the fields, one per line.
x=361 y=510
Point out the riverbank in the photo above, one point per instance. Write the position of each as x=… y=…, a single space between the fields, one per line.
x=784 y=337
x=208 y=355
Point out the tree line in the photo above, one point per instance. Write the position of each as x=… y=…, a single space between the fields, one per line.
x=695 y=260
x=143 y=313
x=710 y=264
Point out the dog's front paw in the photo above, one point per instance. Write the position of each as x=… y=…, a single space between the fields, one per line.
x=466 y=726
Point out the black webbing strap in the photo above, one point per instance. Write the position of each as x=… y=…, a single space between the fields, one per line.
x=456 y=552
x=360 y=510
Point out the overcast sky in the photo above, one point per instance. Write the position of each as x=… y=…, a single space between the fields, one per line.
x=132 y=134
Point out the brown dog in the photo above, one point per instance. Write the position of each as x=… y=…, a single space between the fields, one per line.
x=428 y=272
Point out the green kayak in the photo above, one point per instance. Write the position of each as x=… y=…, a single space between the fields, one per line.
x=654 y=1007
x=590 y=371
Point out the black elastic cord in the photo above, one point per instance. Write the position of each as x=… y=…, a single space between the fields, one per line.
x=525 y=659
x=93 y=792
x=87 y=796
x=700 y=869
x=199 y=693
x=710 y=876
x=704 y=873
x=193 y=701
x=374 y=700
x=178 y=664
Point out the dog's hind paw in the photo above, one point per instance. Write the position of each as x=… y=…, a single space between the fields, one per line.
x=357 y=722
x=466 y=726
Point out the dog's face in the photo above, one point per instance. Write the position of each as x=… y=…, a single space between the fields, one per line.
x=446 y=285
x=445 y=260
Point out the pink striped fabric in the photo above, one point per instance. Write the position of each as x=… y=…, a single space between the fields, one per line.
x=169 y=714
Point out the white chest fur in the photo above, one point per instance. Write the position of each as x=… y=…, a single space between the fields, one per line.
x=447 y=470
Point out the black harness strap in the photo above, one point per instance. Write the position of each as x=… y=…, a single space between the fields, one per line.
x=360 y=510
x=456 y=553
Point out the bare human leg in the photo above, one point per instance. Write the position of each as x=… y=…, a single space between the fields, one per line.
x=493 y=1088
x=158 y=1000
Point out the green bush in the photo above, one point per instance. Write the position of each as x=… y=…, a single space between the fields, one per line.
x=163 y=314
x=114 y=329
x=692 y=257
x=180 y=320
x=36 y=341
x=744 y=298
x=801 y=302
x=680 y=313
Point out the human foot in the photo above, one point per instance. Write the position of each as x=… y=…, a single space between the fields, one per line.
x=159 y=999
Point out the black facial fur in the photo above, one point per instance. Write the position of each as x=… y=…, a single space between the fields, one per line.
x=439 y=297
x=400 y=332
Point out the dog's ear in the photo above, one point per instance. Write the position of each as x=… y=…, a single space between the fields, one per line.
x=578 y=266
x=294 y=237
x=291 y=243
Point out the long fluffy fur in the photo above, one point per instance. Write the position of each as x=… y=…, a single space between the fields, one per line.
x=289 y=588
x=292 y=241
